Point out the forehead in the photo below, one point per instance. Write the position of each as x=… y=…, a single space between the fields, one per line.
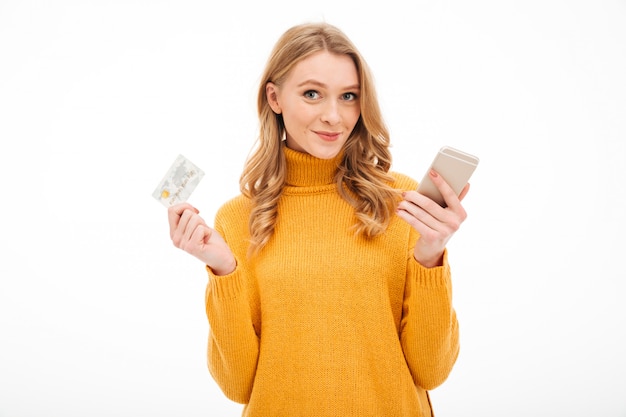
x=333 y=70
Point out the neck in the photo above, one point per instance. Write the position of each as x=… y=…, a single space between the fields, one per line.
x=306 y=170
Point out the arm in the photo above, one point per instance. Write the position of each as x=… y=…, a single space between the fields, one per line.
x=429 y=332
x=233 y=346
x=429 y=327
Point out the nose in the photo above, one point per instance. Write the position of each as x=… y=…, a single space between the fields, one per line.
x=330 y=114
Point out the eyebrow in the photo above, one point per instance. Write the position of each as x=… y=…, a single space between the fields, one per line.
x=320 y=84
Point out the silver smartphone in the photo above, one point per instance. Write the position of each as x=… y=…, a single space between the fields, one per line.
x=455 y=167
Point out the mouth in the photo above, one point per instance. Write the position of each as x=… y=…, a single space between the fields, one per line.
x=328 y=136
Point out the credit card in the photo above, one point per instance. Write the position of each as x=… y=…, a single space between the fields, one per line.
x=178 y=183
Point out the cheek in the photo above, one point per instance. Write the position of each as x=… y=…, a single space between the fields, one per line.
x=352 y=117
x=294 y=120
x=300 y=117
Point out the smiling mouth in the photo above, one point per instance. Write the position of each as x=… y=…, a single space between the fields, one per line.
x=328 y=136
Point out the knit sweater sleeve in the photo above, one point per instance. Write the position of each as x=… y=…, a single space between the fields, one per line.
x=429 y=328
x=233 y=345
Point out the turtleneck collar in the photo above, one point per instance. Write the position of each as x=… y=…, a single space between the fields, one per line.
x=304 y=170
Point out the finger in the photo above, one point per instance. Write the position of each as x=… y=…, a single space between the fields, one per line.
x=448 y=194
x=464 y=192
x=427 y=205
x=412 y=205
x=174 y=213
x=191 y=224
x=177 y=209
x=177 y=229
x=450 y=197
x=428 y=217
x=198 y=239
x=430 y=237
x=202 y=235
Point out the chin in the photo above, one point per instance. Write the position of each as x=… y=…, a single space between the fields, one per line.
x=325 y=152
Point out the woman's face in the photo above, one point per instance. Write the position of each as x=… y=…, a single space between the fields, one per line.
x=319 y=102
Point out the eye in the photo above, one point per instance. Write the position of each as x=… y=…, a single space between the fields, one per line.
x=349 y=96
x=311 y=94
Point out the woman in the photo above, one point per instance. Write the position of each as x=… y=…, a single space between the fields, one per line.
x=329 y=289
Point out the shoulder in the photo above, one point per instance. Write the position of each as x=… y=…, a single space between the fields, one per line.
x=233 y=210
x=402 y=181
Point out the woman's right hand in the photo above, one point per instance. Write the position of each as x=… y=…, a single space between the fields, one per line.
x=190 y=233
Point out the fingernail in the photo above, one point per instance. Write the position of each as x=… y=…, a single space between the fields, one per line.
x=433 y=173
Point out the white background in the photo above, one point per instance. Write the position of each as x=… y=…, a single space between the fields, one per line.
x=100 y=315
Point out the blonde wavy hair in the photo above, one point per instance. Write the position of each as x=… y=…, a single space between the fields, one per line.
x=362 y=178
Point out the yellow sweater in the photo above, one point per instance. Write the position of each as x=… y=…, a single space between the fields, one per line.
x=326 y=323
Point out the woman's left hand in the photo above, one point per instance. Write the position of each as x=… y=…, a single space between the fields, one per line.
x=435 y=224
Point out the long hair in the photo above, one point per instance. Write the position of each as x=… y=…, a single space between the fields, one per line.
x=362 y=178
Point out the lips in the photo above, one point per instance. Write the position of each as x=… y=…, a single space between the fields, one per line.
x=328 y=136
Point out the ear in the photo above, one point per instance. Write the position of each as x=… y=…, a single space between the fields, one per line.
x=271 y=92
